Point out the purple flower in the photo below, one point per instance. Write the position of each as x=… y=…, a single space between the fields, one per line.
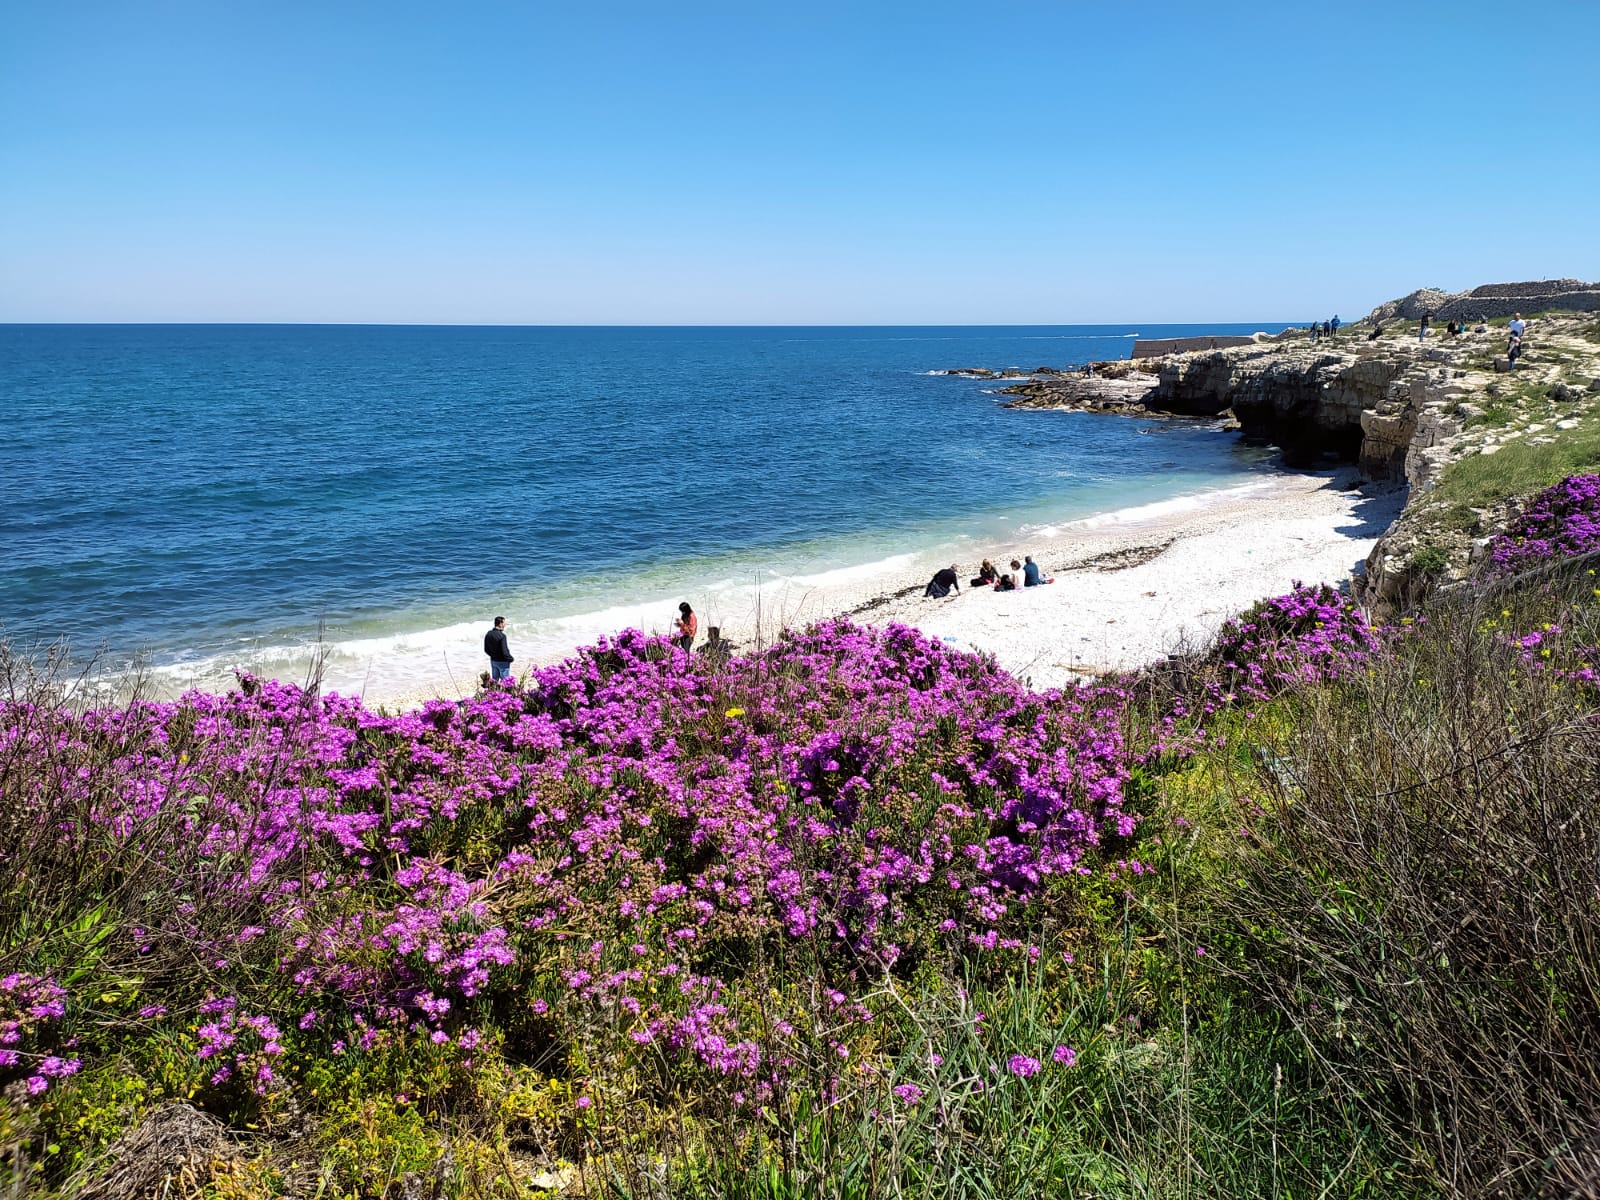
x=1023 y=1066
x=1064 y=1056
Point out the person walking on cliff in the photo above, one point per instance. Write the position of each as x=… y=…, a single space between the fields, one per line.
x=498 y=650
x=1514 y=330
x=1422 y=327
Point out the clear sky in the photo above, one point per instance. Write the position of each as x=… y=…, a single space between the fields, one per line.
x=804 y=162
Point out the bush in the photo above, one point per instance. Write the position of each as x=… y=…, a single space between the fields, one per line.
x=1417 y=893
x=1559 y=522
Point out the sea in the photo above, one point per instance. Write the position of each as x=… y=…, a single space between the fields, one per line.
x=182 y=502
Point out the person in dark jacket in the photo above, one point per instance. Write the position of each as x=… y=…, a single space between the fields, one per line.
x=498 y=650
x=943 y=582
x=1030 y=572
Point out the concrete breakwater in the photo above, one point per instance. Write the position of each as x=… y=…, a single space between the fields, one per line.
x=1160 y=347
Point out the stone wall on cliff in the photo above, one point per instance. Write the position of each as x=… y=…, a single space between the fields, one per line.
x=1475 y=308
x=1492 y=300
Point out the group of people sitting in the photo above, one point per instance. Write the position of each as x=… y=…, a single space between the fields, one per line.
x=1023 y=574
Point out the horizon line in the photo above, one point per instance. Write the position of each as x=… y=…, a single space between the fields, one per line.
x=647 y=324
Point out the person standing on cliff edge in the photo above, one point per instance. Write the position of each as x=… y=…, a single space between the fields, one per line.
x=1514 y=331
x=498 y=650
x=1422 y=329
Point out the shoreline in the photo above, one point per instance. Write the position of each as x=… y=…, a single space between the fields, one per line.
x=1129 y=592
x=1130 y=587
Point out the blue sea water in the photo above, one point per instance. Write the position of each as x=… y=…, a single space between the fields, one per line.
x=211 y=496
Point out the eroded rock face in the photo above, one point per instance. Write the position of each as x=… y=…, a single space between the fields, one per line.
x=1305 y=399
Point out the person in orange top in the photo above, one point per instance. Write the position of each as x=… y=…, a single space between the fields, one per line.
x=685 y=627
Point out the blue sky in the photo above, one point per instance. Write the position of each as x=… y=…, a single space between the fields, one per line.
x=787 y=163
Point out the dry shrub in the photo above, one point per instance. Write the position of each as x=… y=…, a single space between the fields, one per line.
x=1420 y=895
x=174 y=1151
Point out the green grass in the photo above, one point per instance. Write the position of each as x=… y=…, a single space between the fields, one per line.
x=1498 y=413
x=1520 y=469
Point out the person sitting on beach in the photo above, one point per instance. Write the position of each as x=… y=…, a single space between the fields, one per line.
x=943 y=583
x=986 y=575
x=1006 y=584
x=716 y=650
x=685 y=626
x=1030 y=573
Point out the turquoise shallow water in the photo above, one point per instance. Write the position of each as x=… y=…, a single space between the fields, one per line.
x=201 y=494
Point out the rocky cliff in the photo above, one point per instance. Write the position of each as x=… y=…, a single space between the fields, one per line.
x=1407 y=410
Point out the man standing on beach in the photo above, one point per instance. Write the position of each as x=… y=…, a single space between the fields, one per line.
x=498 y=650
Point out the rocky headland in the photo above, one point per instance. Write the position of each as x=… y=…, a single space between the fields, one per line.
x=1425 y=414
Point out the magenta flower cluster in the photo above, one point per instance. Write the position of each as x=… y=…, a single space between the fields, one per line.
x=598 y=843
x=31 y=1010
x=1312 y=634
x=1559 y=522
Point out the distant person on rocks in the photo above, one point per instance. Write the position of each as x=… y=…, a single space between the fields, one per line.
x=1377 y=332
x=1334 y=324
x=986 y=576
x=685 y=627
x=1030 y=572
x=498 y=650
x=1514 y=331
x=944 y=581
x=1422 y=327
